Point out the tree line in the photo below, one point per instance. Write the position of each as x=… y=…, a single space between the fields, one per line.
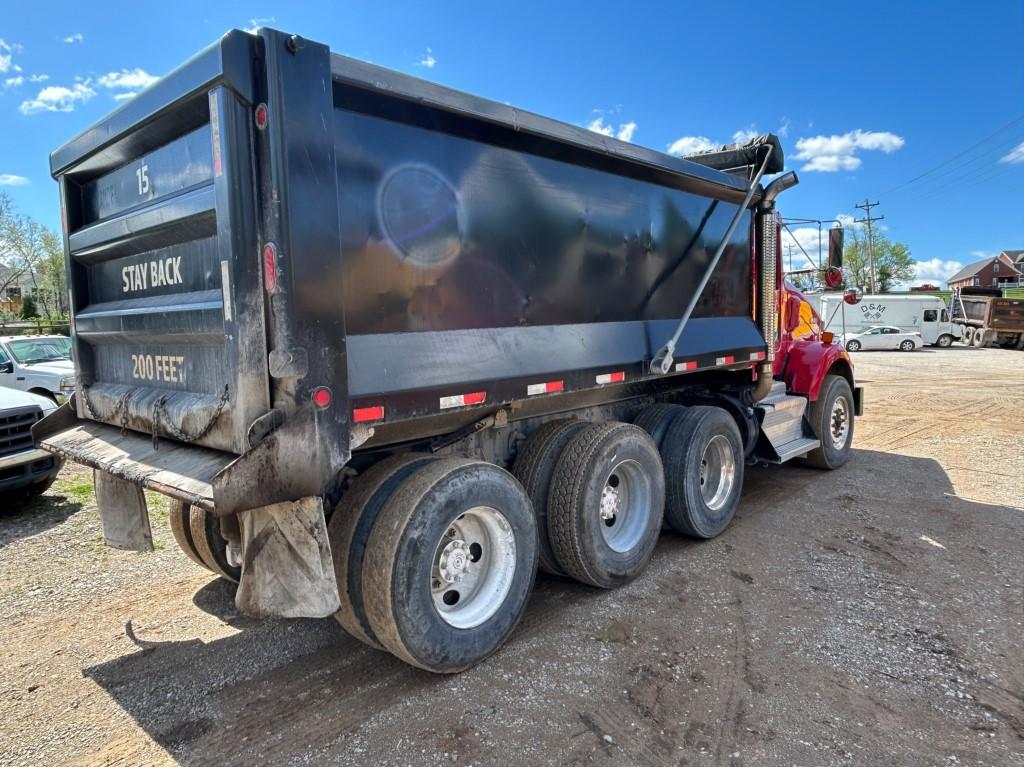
x=32 y=260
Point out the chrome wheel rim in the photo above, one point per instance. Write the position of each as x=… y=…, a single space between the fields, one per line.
x=474 y=563
x=717 y=472
x=839 y=423
x=625 y=506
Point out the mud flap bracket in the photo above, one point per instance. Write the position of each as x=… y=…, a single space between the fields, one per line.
x=287 y=568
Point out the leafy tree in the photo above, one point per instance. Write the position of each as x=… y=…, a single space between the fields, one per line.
x=893 y=261
x=28 y=308
x=33 y=258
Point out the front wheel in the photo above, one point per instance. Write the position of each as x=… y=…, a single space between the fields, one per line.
x=831 y=417
x=944 y=341
x=907 y=346
x=853 y=346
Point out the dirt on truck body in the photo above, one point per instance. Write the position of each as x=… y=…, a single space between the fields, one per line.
x=334 y=312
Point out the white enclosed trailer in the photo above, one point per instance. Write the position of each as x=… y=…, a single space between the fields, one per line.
x=927 y=315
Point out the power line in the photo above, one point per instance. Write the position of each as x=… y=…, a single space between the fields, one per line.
x=869 y=220
x=957 y=155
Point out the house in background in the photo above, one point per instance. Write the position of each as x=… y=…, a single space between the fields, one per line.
x=1004 y=270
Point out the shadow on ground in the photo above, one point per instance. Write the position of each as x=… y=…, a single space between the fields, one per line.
x=23 y=517
x=294 y=691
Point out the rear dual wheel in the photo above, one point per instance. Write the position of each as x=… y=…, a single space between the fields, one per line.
x=606 y=503
x=197 y=533
x=449 y=561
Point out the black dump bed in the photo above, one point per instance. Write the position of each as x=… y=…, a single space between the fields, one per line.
x=377 y=251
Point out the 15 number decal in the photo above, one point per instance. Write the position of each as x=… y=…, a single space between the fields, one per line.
x=142 y=176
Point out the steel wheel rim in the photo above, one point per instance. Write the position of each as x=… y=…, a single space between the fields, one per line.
x=839 y=423
x=625 y=506
x=717 y=472
x=473 y=567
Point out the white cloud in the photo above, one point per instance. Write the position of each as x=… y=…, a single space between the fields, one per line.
x=687 y=145
x=783 y=130
x=124 y=96
x=6 y=49
x=935 y=270
x=427 y=59
x=38 y=78
x=255 y=24
x=14 y=82
x=744 y=135
x=57 y=98
x=1015 y=155
x=625 y=131
x=829 y=154
x=127 y=79
x=75 y=38
x=9 y=179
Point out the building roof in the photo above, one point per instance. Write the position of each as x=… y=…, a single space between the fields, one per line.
x=972 y=269
x=1017 y=256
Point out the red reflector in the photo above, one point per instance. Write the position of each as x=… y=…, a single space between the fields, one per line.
x=322 y=396
x=476 y=398
x=270 y=267
x=611 y=377
x=261 y=116
x=362 y=414
x=545 y=388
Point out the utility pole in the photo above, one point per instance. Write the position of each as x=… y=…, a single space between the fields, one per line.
x=789 y=251
x=869 y=220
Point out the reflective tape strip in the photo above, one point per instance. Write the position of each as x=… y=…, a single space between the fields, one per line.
x=362 y=414
x=757 y=355
x=611 y=377
x=725 y=360
x=691 y=365
x=461 y=400
x=545 y=388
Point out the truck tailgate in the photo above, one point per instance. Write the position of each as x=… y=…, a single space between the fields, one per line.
x=161 y=242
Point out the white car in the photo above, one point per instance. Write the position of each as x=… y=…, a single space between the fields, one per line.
x=883 y=337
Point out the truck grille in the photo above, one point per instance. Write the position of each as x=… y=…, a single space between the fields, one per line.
x=16 y=429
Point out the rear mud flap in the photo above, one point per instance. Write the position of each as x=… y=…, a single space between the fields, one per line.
x=287 y=568
x=123 y=513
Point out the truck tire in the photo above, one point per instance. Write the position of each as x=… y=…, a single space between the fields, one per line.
x=450 y=564
x=944 y=341
x=656 y=419
x=606 y=504
x=210 y=545
x=978 y=338
x=966 y=335
x=533 y=467
x=349 y=530
x=704 y=463
x=831 y=419
x=179 y=519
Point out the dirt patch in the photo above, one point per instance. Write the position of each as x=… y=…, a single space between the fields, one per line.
x=867 y=616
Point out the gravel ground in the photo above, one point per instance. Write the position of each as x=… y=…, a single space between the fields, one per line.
x=867 y=616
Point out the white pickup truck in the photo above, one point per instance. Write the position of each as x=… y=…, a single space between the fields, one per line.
x=38 y=364
x=24 y=468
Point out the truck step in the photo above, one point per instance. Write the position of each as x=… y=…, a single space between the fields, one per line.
x=783 y=419
x=794 y=449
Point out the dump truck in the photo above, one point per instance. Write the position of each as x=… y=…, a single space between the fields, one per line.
x=391 y=348
x=987 y=318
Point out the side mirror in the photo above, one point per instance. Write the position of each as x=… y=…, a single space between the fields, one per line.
x=6 y=367
x=835 y=247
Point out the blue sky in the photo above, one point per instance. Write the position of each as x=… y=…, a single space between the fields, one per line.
x=867 y=97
